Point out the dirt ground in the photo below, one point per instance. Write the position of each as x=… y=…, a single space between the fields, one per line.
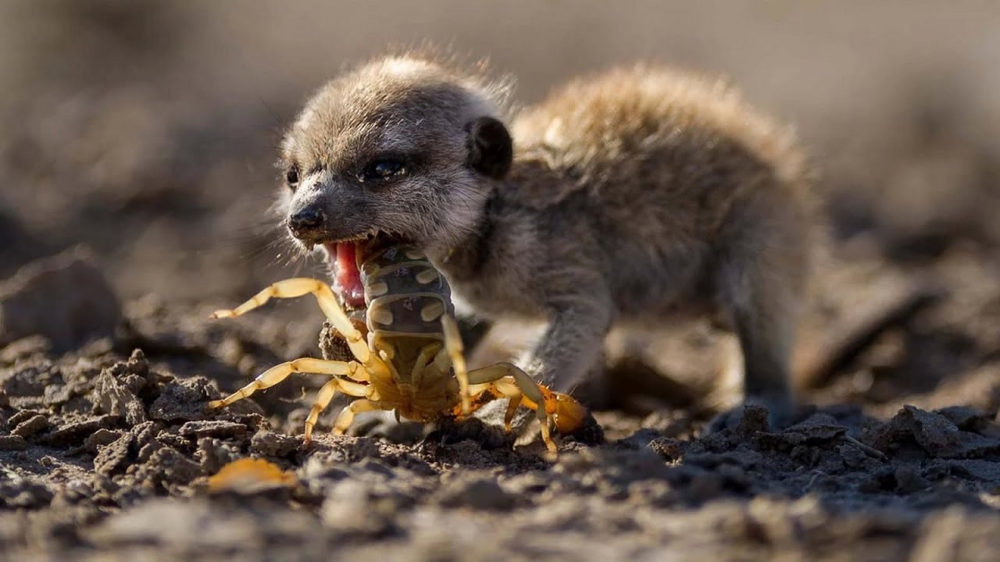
x=135 y=162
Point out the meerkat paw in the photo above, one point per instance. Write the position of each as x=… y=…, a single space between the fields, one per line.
x=755 y=413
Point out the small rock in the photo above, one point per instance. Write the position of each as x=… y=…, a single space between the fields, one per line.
x=705 y=486
x=351 y=511
x=145 y=433
x=909 y=480
x=213 y=428
x=168 y=527
x=966 y=418
x=147 y=451
x=173 y=440
x=332 y=344
x=74 y=492
x=176 y=468
x=753 y=420
x=137 y=364
x=742 y=457
x=24 y=494
x=640 y=439
x=20 y=242
x=818 y=427
x=183 y=399
x=28 y=380
x=100 y=438
x=987 y=471
x=112 y=458
x=31 y=427
x=114 y=394
x=76 y=432
x=324 y=466
x=66 y=299
x=854 y=457
x=271 y=444
x=21 y=416
x=935 y=434
x=371 y=465
x=213 y=454
x=476 y=493
x=528 y=484
x=25 y=347
x=12 y=443
x=104 y=488
x=58 y=394
x=671 y=449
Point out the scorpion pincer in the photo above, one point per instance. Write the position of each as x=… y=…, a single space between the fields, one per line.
x=412 y=362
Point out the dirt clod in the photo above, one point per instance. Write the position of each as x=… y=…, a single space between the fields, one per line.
x=31 y=426
x=476 y=492
x=272 y=444
x=12 y=443
x=365 y=490
x=116 y=394
x=65 y=299
x=100 y=438
x=215 y=428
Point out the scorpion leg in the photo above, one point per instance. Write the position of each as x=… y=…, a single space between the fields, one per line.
x=324 y=397
x=280 y=372
x=512 y=406
x=299 y=286
x=523 y=386
x=453 y=343
x=346 y=416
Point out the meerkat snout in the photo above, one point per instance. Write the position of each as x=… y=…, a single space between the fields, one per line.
x=307 y=223
x=632 y=197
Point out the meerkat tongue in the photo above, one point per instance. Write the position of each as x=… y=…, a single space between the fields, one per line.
x=348 y=277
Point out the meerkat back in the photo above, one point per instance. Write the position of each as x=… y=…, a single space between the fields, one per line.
x=705 y=204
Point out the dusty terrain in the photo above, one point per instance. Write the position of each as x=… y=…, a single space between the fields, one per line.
x=135 y=162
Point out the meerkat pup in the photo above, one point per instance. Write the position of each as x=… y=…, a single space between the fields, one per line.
x=635 y=197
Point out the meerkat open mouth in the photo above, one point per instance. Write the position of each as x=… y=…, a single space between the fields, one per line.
x=343 y=262
x=345 y=258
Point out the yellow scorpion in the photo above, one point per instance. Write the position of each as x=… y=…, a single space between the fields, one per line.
x=413 y=361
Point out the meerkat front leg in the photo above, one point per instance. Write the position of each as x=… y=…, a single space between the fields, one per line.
x=571 y=345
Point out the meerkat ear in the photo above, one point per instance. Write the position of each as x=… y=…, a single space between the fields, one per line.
x=491 y=150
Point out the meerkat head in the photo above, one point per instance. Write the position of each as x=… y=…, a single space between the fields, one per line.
x=400 y=150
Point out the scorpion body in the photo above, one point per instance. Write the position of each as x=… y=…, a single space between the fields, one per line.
x=412 y=360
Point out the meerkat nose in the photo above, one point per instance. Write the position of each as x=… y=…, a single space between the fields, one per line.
x=307 y=223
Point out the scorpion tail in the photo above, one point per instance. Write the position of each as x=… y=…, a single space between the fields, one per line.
x=573 y=418
x=569 y=414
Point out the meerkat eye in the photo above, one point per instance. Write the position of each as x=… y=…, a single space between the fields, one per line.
x=292 y=176
x=384 y=169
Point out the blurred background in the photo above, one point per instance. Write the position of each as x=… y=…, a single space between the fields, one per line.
x=147 y=131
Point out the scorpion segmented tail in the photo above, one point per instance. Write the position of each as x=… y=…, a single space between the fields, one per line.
x=406 y=295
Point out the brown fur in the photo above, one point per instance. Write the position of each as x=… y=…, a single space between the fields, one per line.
x=634 y=196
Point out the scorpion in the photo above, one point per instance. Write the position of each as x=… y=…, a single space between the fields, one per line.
x=413 y=361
